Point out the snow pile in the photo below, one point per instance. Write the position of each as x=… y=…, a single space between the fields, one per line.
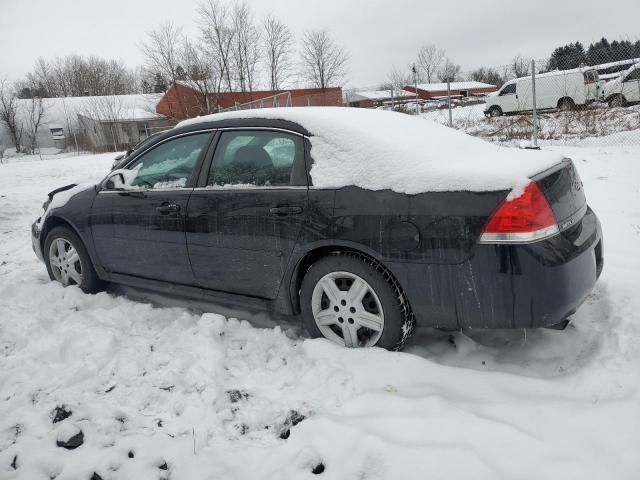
x=379 y=150
x=166 y=392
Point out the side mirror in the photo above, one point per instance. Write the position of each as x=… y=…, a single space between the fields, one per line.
x=114 y=182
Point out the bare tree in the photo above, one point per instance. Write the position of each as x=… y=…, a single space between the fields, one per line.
x=162 y=50
x=107 y=111
x=449 y=72
x=429 y=62
x=246 y=47
x=218 y=35
x=8 y=114
x=324 y=63
x=74 y=75
x=397 y=80
x=199 y=72
x=34 y=116
x=520 y=66
x=278 y=47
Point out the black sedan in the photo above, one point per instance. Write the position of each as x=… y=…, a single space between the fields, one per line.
x=241 y=210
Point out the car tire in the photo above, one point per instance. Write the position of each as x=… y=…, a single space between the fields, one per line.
x=368 y=307
x=617 y=101
x=566 y=105
x=495 y=112
x=68 y=262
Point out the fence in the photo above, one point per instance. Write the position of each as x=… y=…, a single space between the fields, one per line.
x=292 y=99
x=600 y=102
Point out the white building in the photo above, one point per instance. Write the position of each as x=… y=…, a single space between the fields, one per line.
x=79 y=122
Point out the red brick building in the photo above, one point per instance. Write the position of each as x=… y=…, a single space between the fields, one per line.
x=183 y=101
x=435 y=91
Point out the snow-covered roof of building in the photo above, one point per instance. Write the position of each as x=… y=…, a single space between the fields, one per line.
x=439 y=87
x=378 y=95
x=380 y=150
x=64 y=111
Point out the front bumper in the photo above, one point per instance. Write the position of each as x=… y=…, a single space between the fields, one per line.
x=509 y=286
x=35 y=240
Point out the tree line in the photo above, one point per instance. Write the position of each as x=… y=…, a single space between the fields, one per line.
x=575 y=54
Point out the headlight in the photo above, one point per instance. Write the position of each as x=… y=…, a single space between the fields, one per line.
x=46 y=204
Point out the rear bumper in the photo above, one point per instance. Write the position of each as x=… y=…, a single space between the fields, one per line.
x=509 y=286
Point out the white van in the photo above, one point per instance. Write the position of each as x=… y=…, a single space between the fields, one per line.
x=560 y=89
x=625 y=89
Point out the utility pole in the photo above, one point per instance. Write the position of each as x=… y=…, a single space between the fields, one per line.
x=535 y=110
x=415 y=83
x=449 y=102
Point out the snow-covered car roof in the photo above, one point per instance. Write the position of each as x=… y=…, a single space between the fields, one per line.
x=382 y=150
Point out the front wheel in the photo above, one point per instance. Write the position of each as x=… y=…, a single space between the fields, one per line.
x=354 y=302
x=495 y=112
x=68 y=261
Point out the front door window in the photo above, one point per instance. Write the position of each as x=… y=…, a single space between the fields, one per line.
x=169 y=165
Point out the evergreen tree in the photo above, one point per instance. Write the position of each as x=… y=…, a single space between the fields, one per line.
x=160 y=85
x=570 y=56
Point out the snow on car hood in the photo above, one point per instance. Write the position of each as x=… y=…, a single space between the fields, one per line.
x=380 y=150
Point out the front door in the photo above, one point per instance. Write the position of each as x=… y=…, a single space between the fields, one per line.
x=139 y=227
x=244 y=221
x=507 y=99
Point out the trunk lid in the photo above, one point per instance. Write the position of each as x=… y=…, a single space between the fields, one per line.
x=564 y=191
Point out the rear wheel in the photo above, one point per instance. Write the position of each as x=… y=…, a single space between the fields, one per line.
x=617 y=101
x=566 y=105
x=353 y=301
x=68 y=261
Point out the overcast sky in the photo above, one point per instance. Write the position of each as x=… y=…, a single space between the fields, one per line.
x=377 y=34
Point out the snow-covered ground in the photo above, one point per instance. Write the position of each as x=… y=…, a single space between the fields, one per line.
x=168 y=392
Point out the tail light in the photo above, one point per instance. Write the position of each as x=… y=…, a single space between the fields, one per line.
x=525 y=219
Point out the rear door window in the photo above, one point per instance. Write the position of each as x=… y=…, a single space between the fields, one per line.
x=259 y=158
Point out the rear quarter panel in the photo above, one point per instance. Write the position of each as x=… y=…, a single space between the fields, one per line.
x=434 y=227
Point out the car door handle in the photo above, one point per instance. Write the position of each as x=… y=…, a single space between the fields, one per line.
x=166 y=208
x=282 y=210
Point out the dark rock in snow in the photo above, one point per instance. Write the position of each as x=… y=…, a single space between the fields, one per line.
x=60 y=413
x=318 y=469
x=73 y=442
x=130 y=454
x=236 y=395
x=294 y=418
x=14 y=462
x=95 y=476
x=110 y=389
x=164 y=466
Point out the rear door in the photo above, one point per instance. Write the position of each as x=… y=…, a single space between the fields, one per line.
x=139 y=228
x=245 y=217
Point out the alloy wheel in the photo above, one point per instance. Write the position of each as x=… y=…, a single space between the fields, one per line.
x=65 y=262
x=347 y=310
